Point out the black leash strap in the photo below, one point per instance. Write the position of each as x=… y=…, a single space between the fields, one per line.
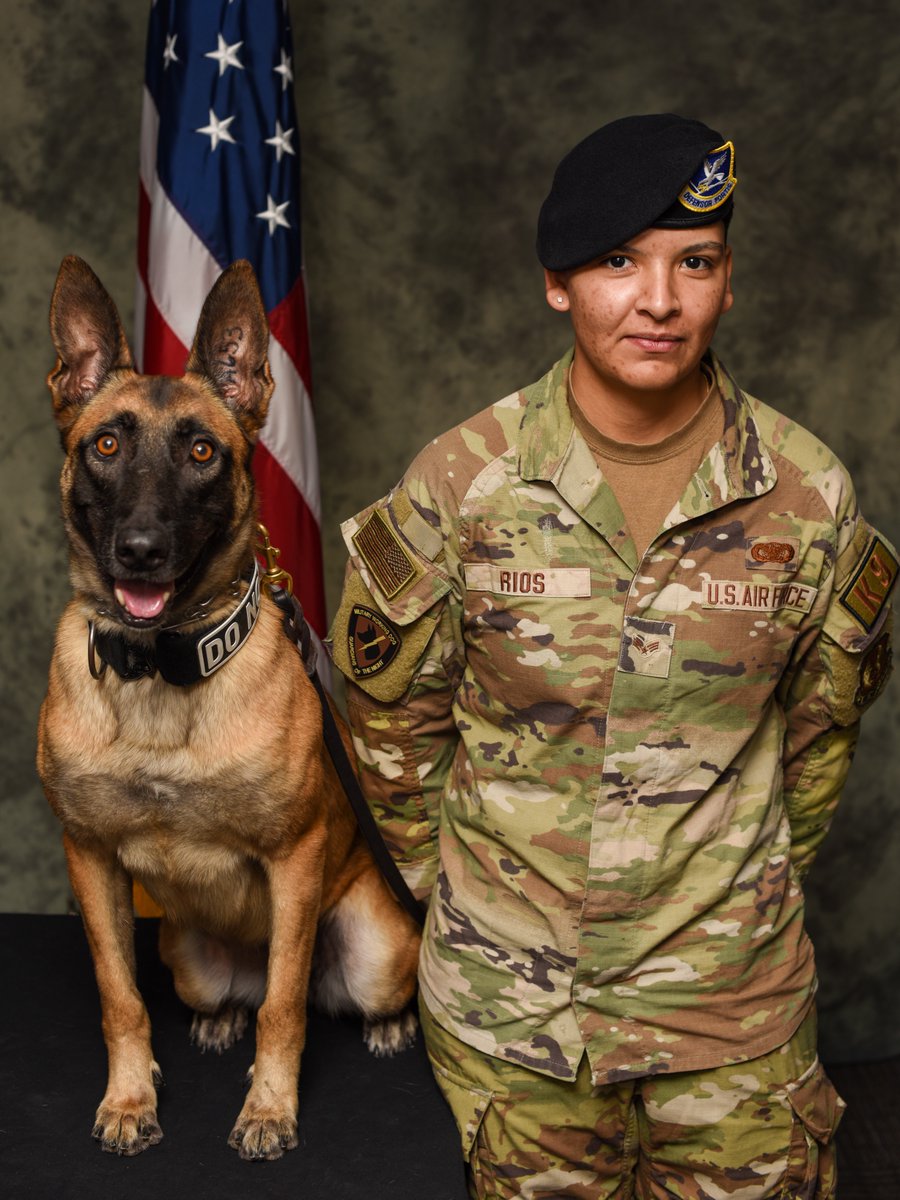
x=297 y=630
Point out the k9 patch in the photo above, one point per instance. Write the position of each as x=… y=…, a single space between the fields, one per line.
x=372 y=642
x=866 y=594
x=647 y=647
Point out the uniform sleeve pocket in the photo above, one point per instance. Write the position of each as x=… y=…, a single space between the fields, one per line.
x=817 y=1109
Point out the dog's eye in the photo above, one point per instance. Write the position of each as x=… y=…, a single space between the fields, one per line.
x=107 y=444
x=202 y=452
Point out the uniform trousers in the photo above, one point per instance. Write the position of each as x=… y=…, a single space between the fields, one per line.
x=749 y=1131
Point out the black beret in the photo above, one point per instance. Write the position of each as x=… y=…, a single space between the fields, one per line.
x=629 y=175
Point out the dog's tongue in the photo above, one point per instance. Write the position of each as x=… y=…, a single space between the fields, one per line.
x=144 y=600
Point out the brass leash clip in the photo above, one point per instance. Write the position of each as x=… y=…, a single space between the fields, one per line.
x=274 y=576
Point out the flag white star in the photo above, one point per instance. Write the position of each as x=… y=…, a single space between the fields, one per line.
x=216 y=130
x=169 y=55
x=286 y=70
x=226 y=56
x=274 y=214
x=281 y=141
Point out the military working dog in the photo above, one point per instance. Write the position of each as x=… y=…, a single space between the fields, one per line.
x=180 y=739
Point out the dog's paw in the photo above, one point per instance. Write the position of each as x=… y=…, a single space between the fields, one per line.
x=263 y=1135
x=219 y=1031
x=391 y=1034
x=126 y=1129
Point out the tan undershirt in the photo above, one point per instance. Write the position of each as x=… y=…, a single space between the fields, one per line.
x=647 y=480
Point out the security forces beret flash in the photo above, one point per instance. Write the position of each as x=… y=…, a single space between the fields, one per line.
x=660 y=170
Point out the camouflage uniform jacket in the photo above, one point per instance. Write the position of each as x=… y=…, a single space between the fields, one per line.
x=610 y=774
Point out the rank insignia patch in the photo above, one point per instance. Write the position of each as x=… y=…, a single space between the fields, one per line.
x=713 y=182
x=372 y=642
x=382 y=551
x=865 y=595
x=647 y=647
x=873 y=672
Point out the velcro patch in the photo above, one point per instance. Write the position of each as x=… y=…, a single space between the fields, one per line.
x=873 y=672
x=380 y=548
x=772 y=554
x=647 y=647
x=543 y=581
x=741 y=596
x=372 y=641
x=866 y=594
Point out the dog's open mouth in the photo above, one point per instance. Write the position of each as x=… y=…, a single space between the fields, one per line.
x=143 y=601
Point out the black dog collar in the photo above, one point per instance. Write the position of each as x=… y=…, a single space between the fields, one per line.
x=180 y=658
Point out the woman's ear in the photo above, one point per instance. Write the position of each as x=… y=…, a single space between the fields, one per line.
x=556 y=291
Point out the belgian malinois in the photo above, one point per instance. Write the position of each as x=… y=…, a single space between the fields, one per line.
x=180 y=740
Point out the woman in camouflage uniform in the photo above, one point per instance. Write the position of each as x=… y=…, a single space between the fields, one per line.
x=607 y=645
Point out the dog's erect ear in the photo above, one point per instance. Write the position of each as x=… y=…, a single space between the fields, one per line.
x=88 y=337
x=231 y=346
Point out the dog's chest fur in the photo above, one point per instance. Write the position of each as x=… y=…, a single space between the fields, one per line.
x=186 y=785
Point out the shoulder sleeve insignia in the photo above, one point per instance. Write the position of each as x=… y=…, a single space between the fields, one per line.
x=372 y=641
x=873 y=672
x=380 y=548
x=869 y=586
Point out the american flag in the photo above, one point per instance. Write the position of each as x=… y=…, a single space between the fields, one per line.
x=220 y=180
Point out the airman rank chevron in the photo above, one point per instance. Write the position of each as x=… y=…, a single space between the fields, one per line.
x=757 y=597
x=865 y=595
x=372 y=642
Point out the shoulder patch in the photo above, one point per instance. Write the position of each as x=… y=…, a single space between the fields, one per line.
x=380 y=655
x=380 y=548
x=372 y=641
x=869 y=586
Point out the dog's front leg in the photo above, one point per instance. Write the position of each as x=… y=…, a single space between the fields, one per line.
x=126 y=1119
x=267 y=1124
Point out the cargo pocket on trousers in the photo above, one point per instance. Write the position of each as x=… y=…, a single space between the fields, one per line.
x=469 y=1106
x=812 y=1167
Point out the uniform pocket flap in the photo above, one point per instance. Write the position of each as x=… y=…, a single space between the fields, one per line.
x=816 y=1102
x=467 y=1103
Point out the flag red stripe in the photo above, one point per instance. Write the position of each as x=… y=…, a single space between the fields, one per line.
x=143 y=241
x=282 y=507
x=288 y=322
x=164 y=353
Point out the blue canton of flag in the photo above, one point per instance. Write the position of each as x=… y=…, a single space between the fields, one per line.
x=228 y=157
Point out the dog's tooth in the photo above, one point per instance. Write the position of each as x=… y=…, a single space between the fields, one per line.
x=120 y=596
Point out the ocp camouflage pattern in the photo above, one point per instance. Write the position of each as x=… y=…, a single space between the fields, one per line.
x=611 y=774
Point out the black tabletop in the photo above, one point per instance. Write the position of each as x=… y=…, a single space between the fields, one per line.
x=369 y=1127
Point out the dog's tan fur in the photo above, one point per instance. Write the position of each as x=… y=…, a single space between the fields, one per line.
x=218 y=797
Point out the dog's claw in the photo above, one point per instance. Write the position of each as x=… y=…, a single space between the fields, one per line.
x=391 y=1035
x=263 y=1138
x=219 y=1031
x=126 y=1133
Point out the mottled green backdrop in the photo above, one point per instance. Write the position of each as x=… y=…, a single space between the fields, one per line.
x=430 y=132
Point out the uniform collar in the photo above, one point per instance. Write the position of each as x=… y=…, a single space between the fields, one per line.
x=550 y=446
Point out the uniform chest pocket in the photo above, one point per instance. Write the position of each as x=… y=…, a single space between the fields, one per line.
x=530 y=630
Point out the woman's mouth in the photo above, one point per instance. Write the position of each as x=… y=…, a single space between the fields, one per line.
x=654 y=343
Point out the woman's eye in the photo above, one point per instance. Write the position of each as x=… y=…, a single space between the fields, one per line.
x=696 y=263
x=617 y=261
x=202 y=451
x=106 y=445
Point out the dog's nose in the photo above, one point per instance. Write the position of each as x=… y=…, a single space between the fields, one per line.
x=142 y=548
